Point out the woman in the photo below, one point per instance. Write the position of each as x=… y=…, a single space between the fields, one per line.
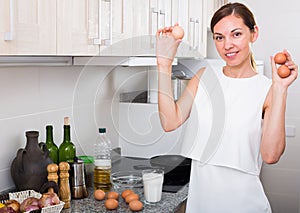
x=254 y=116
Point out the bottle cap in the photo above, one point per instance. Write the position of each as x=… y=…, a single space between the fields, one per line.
x=102 y=130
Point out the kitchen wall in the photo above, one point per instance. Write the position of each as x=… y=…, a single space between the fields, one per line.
x=32 y=97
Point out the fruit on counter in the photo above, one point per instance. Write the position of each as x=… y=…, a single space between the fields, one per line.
x=113 y=195
x=29 y=204
x=136 y=205
x=283 y=71
x=111 y=204
x=13 y=204
x=131 y=197
x=99 y=194
x=126 y=192
x=177 y=32
x=280 y=58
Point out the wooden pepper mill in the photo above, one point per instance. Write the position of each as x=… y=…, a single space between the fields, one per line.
x=52 y=174
x=64 y=185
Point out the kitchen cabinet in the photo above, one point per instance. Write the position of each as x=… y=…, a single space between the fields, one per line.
x=197 y=31
x=27 y=27
x=78 y=27
x=212 y=6
x=130 y=26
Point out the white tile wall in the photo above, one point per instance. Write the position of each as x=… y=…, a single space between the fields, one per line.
x=32 y=97
x=279 y=29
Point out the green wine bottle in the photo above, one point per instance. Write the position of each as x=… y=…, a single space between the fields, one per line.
x=51 y=146
x=67 y=150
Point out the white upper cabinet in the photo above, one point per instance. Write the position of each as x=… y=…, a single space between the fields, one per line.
x=130 y=28
x=27 y=27
x=78 y=27
x=98 y=27
x=197 y=31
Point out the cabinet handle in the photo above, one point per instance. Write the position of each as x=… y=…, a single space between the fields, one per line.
x=197 y=34
x=8 y=36
x=163 y=14
x=99 y=40
x=153 y=11
x=192 y=33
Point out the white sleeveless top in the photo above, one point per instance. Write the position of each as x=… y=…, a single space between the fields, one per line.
x=223 y=136
x=224 y=127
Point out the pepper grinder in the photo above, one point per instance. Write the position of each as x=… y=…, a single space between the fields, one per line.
x=64 y=186
x=52 y=174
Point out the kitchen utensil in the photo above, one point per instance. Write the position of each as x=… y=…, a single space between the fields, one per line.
x=77 y=180
x=127 y=179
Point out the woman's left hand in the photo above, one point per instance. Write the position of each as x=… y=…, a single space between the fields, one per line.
x=285 y=82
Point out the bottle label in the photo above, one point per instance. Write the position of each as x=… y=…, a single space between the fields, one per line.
x=103 y=162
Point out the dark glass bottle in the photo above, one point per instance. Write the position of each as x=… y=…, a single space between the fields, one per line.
x=67 y=150
x=51 y=146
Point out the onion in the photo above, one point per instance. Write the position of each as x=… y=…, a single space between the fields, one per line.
x=48 y=199
x=7 y=210
x=29 y=203
x=13 y=204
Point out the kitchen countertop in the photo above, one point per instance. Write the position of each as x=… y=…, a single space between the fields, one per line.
x=170 y=202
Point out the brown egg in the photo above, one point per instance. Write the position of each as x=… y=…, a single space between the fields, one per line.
x=111 y=204
x=136 y=205
x=126 y=192
x=178 y=32
x=283 y=71
x=280 y=58
x=131 y=197
x=113 y=195
x=99 y=194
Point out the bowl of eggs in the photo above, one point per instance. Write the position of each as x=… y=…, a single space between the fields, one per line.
x=127 y=179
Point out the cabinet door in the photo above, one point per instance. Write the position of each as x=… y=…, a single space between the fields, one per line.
x=27 y=27
x=130 y=22
x=198 y=26
x=77 y=27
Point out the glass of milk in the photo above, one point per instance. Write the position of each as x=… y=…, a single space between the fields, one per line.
x=153 y=181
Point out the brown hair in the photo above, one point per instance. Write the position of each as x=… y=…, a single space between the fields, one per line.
x=239 y=10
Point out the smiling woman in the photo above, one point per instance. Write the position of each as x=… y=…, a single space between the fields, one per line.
x=227 y=180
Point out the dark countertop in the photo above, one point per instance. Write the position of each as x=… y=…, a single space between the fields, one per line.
x=170 y=202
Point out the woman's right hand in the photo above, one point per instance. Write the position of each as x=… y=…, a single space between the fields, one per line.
x=166 y=46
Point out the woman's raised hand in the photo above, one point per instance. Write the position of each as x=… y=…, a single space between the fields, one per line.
x=166 y=46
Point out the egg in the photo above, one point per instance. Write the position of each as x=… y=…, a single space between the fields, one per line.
x=113 y=195
x=177 y=32
x=283 y=71
x=280 y=58
x=126 y=192
x=136 y=205
x=99 y=194
x=111 y=204
x=131 y=197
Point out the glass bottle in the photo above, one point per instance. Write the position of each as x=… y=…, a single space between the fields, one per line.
x=51 y=146
x=67 y=150
x=102 y=162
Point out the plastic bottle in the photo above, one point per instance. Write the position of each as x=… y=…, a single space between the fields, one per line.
x=51 y=146
x=67 y=150
x=102 y=162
